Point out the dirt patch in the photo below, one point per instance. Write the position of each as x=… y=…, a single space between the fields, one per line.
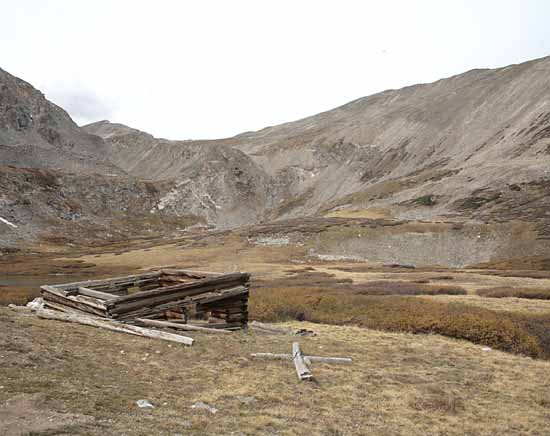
x=29 y=414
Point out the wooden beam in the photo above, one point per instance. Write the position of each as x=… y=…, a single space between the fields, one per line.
x=189 y=273
x=197 y=284
x=114 y=280
x=114 y=326
x=96 y=294
x=181 y=326
x=58 y=296
x=304 y=374
x=308 y=359
x=169 y=295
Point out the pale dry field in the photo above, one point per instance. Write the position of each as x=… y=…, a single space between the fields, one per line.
x=271 y=263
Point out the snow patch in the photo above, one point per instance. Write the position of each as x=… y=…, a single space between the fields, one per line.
x=269 y=240
x=5 y=221
x=338 y=257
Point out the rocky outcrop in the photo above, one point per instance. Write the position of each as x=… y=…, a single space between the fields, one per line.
x=36 y=133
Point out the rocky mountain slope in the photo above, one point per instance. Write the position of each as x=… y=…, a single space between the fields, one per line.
x=36 y=133
x=473 y=147
x=425 y=151
x=220 y=183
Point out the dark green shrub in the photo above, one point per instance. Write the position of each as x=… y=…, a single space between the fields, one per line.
x=425 y=200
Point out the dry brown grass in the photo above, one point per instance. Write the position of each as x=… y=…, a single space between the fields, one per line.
x=17 y=295
x=399 y=384
x=435 y=399
x=504 y=292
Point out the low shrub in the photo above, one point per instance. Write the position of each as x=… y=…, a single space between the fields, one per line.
x=425 y=200
x=475 y=202
x=504 y=292
x=405 y=288
x=522 y=334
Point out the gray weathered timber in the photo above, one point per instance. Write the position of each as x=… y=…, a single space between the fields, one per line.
x=158 y=296
x=222 y=298
x=114 y=280
x=211 y=282
x=180 y=326
x=304 y=374
x=49 y=293
x=308 y=359
x=189 y=273
x=95 y=294
x=113 y=325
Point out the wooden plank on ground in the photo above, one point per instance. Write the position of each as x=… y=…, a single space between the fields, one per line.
x=307 y=359
x=114 y=326
x=304 y=374
x=180 y=326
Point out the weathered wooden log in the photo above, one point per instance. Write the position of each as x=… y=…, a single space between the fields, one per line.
x=225 y=294
x=111 y=281
x=55 y=295
x=179 y=299
x=304 y=374
x=271 y=329
x=189 y=273
x=180 y=326
x=308 y=359
x=209 y=283
x=227 y=326
x=114 y=326
x=155 y=297
x=90 y=301
x=95 y=294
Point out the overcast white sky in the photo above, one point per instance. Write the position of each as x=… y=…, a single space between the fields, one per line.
x=208 y=69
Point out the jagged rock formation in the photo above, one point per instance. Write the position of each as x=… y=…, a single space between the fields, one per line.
x=220 y=183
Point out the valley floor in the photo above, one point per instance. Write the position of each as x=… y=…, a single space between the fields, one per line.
x=399 y=384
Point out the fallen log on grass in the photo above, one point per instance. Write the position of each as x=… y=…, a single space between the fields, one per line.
x=301 y=361
x=307 y=359
x=173 y=325
x=114 y=326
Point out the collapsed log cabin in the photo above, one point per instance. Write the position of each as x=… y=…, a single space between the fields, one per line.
x=212 y=300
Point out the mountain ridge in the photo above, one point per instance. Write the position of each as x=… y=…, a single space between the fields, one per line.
x=474 y=147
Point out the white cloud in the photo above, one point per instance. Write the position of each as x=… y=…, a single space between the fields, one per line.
x=216 y=68
x=82 y=103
